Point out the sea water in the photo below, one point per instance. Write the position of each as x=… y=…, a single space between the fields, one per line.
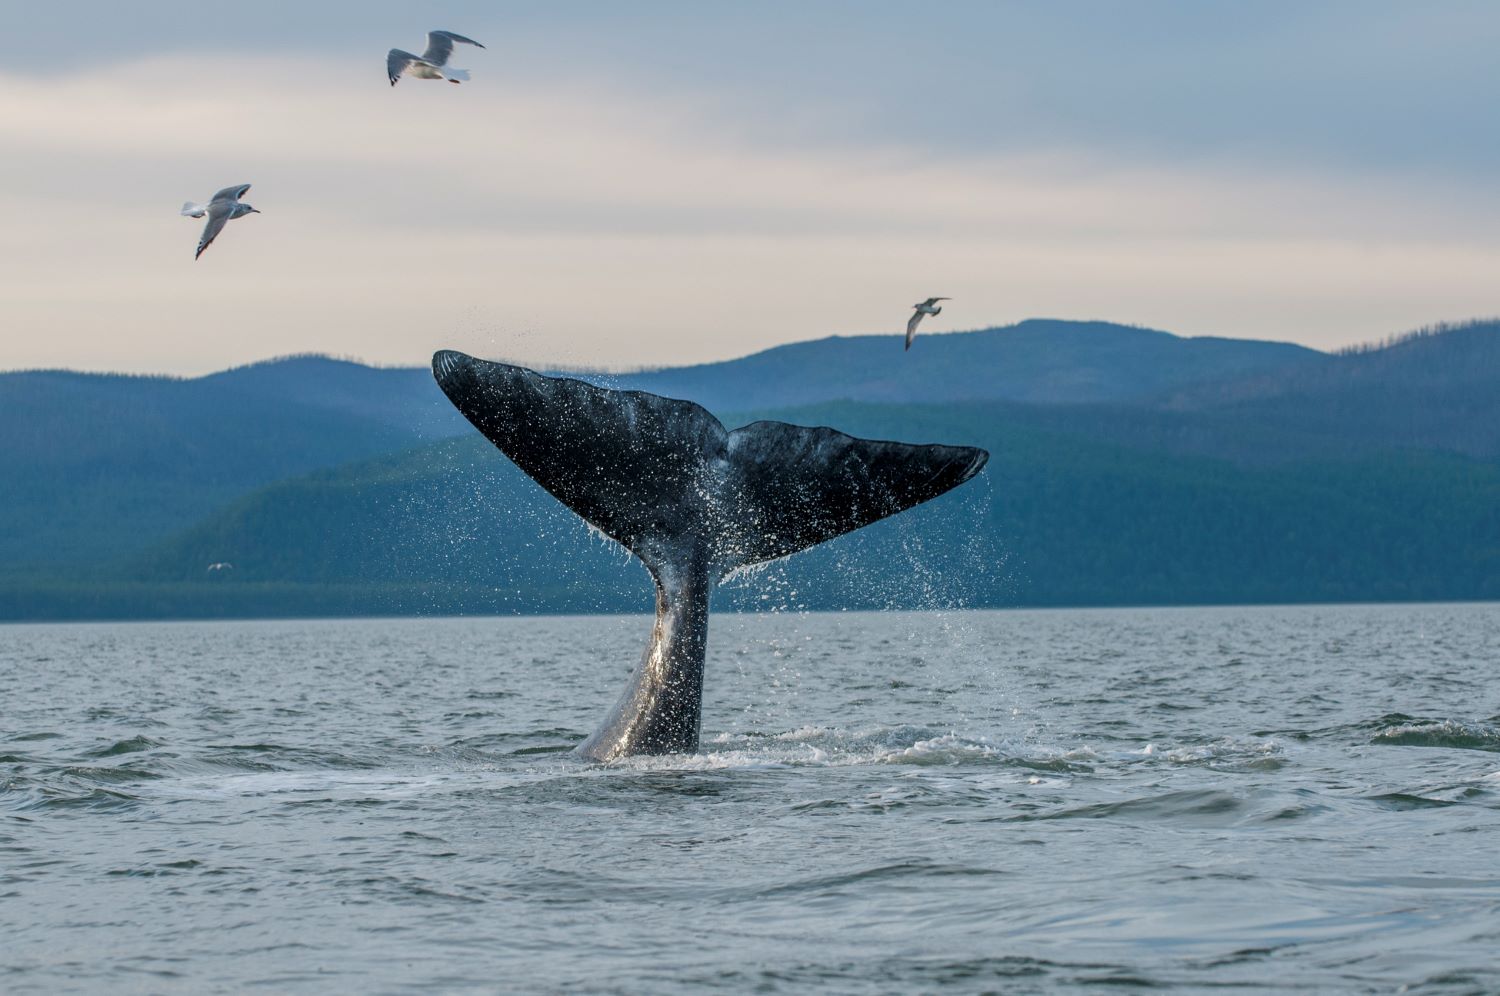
x=1269 y=799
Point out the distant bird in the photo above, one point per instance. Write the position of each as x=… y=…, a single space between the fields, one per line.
x=431 y=64
x=220 y=567
x=220 y=209
x=927 y=307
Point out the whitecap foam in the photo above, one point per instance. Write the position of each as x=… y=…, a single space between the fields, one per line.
x=345 y=786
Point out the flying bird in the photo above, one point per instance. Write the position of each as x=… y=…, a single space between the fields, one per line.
x=222 y=565
x=220 y=208
x=927 y=307
x=431 y=64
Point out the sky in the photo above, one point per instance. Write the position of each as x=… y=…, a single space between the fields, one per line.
x=670 y=181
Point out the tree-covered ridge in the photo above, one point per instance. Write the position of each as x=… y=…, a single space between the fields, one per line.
x=1056 y=519
x=1366 y=476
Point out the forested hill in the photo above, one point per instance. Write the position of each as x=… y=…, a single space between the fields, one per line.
x=1438 y=388
x=1057 y=518
x=97 y=465
x=1279 y=474
x=1040 y=361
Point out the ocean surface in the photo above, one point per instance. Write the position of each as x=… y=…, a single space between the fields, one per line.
x=1267 y=799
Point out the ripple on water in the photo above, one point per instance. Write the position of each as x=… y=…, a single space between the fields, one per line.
x=97 y=800
x=1439 y=733
x=1002 y=802
x=130 y=746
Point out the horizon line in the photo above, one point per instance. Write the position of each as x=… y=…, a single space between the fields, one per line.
x=1387 y=341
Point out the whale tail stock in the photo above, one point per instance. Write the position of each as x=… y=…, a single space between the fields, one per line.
x=692 y=500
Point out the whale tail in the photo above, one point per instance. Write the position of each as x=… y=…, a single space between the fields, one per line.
x=665 y=479
x=692 y=500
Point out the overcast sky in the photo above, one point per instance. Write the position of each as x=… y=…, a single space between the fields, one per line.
x=670 y=181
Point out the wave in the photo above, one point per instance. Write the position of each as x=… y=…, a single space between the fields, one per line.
x=900 y=870
x=1031 y=759
x=130 y=746
x=1440 y=733
x=124 y=773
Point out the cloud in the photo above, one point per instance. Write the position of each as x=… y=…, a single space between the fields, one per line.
x=581 y=224
x=1368 y=85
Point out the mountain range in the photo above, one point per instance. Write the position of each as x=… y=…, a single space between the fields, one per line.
x=1128 y=466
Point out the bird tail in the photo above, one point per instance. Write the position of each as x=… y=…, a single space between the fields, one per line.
x=191 y=210
x=456 y=75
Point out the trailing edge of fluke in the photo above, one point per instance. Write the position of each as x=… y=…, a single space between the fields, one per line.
x=692 y=500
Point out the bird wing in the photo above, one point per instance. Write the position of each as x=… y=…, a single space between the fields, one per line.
x=933 y=300
x=396 y=62
x=440 y=46
x=230 y=193
x=218 y=216
x=911 y=328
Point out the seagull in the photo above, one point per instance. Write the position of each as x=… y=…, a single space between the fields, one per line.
x=220 y=209
x=927 y=307
x=431 y=64
x=222 y=565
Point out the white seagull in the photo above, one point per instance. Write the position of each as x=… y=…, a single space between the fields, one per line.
x=222 y=565
x=220 y=209
x=431 y=64
x=927 y=307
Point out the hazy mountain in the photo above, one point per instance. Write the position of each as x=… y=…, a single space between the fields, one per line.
x=98 y=465
x=1040 y=361
x=1134 y=466
x=1438 y=388
x=404 y=398
x=1057 y=518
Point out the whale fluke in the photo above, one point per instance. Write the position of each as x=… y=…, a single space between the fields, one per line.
x=693 y=501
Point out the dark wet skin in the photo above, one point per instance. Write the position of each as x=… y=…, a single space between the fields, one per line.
x=694 y=501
